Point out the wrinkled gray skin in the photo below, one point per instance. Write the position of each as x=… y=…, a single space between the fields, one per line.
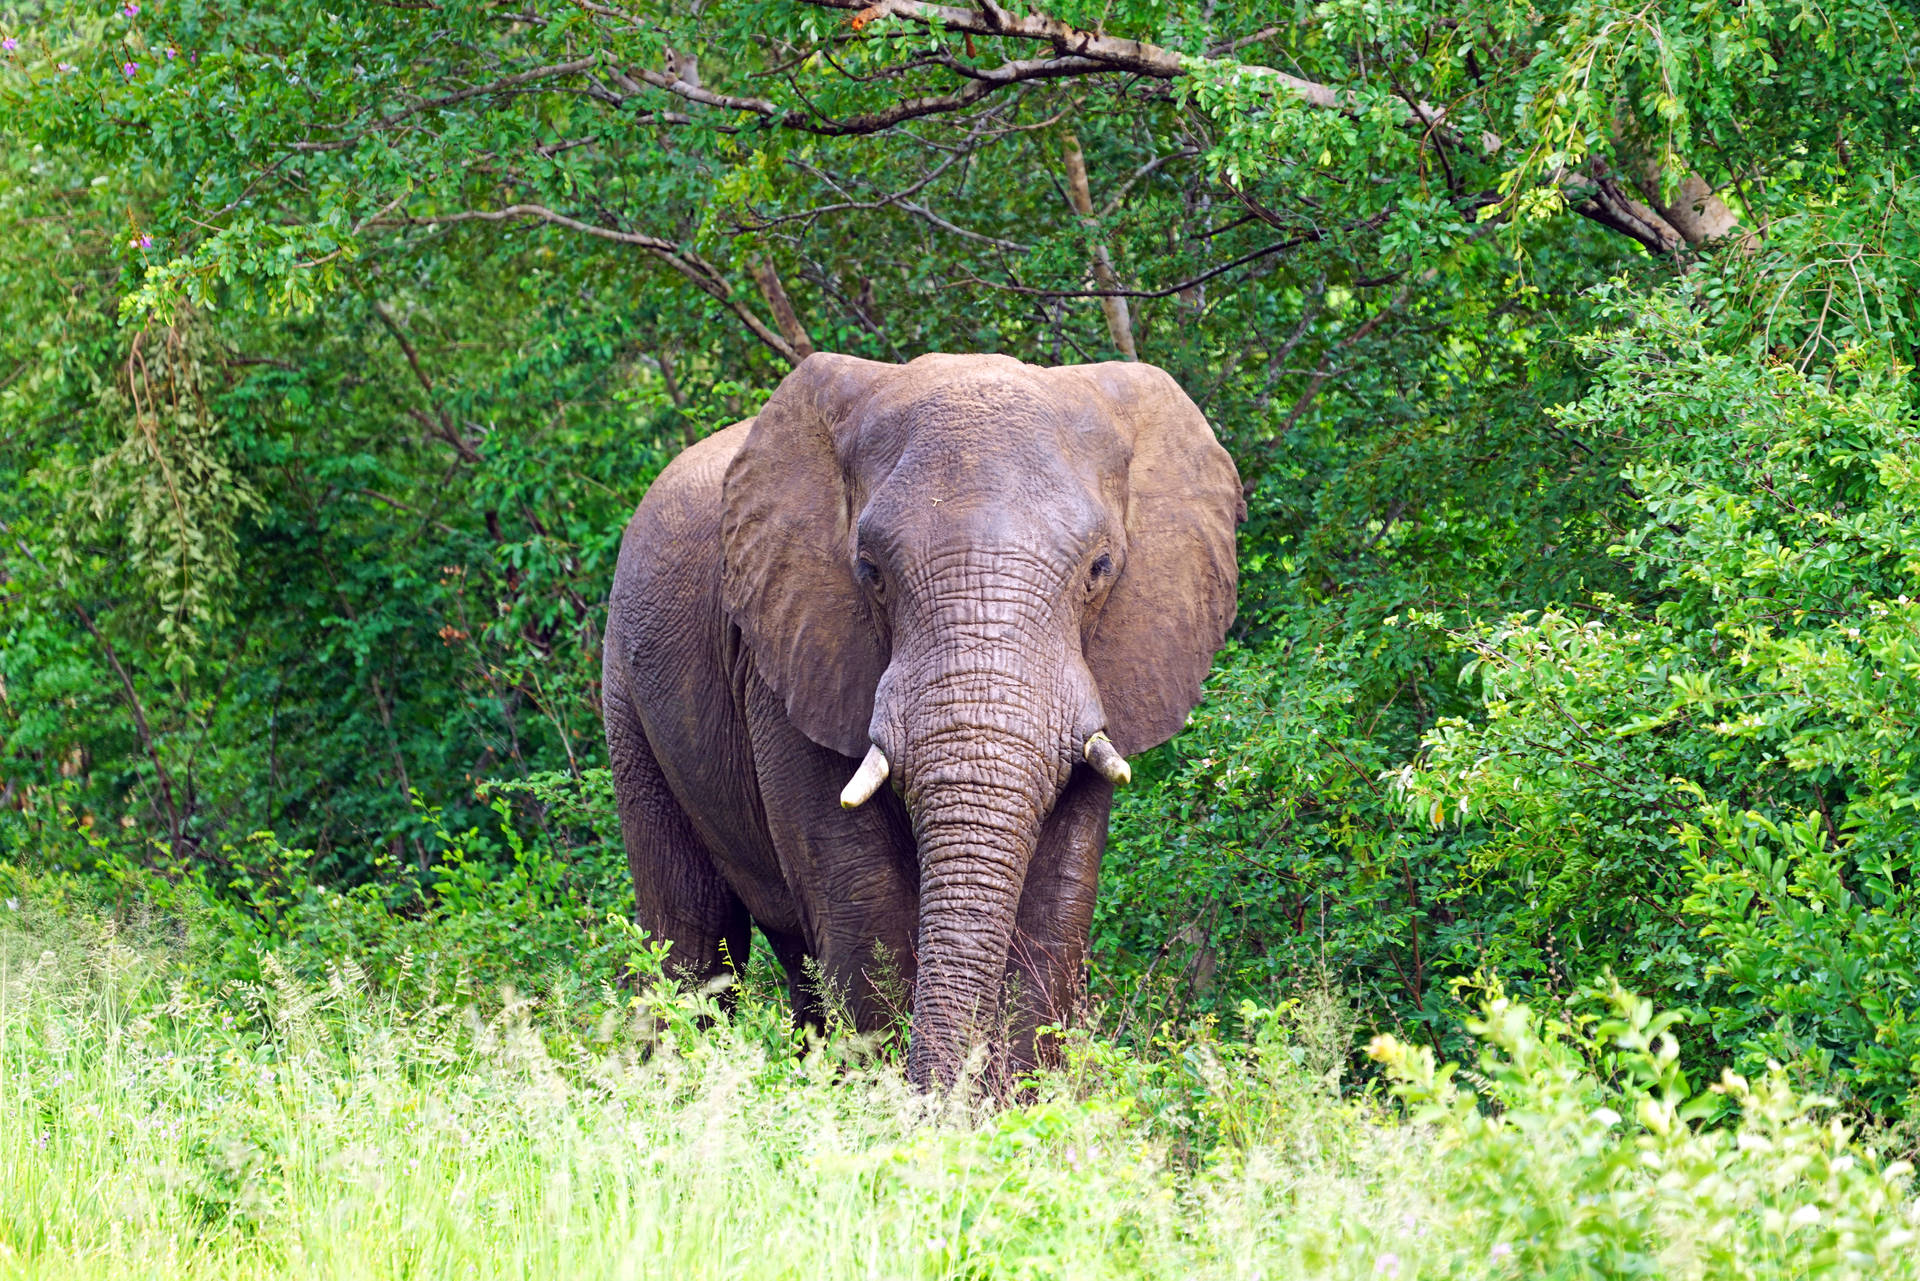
x=969 y=562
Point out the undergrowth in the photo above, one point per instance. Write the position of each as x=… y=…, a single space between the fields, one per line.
x=164 y=1114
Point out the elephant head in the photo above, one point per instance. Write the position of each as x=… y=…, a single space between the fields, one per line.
x=976 y=575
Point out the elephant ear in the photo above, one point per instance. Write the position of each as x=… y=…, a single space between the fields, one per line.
x=1168 y=612
x=787 y=542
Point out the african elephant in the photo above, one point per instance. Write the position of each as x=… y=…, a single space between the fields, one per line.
x=874 y=660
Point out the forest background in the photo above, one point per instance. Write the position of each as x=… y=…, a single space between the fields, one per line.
x=1566 y=350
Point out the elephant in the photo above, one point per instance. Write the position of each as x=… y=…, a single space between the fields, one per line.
x=874 y=661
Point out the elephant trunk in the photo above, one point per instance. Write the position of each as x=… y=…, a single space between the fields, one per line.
x=975 y=846
x=984 y=758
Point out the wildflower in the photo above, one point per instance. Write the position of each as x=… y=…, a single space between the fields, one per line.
x=128 y=69
x=1387 y=1265
x=1500 y=1251
x=13 y=905
x=141 y=242
x=65 y=67
x=132 y=10
x=9 y=44
x=172 y=53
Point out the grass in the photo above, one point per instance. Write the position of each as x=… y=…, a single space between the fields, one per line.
x=158 y=1119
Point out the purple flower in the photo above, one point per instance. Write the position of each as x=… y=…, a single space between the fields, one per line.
x=129 y=69
x=65 y=66
x=9 y=44
x=132 y=10
x=142 y=241
x=172 y=53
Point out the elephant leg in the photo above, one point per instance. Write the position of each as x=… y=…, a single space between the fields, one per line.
x=852 y=871
x=1055 y=915
x=802 y=986
x=679 y=895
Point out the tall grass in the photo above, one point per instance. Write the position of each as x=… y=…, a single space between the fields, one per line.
x=160 y=1120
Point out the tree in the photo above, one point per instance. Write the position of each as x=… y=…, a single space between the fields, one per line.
x=433 y=289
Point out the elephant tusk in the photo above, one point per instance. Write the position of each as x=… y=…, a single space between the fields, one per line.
x=867 y=779
x=1105 y=757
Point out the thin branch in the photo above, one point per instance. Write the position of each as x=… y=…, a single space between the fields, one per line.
x=397 y=505
x=176 y=834
x=1311 y=236
x=1146 y=170
x=445 y=428
x=887 y=201
x=1079 y=52
x=555 y=71
x=701 y=273
x=515 y=212
x=980 y=83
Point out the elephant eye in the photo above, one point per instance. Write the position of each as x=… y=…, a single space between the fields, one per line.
x=869 y=574
x=1099 y=572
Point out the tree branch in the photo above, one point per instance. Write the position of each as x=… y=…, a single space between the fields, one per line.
x=768 y=279
x=176 y=828
x=445 y=429
x=1615 y=210
x=1080 y=196
x=980 y=83
x=1311 y=236
x=505 y=83
x=1700 y=217
x=701 y=273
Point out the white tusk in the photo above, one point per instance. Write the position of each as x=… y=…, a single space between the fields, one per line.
x=867 y=779
x=1103 y=756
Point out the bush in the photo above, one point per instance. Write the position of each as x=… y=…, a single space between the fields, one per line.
x=531 y=898
x=1711 y=786
x=163 y=1117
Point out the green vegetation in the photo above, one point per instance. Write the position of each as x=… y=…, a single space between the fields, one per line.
x=157 y=1124
x=1567 y=352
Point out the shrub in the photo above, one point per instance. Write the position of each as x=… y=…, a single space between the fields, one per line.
x=1711 y=786
x=162 y=1117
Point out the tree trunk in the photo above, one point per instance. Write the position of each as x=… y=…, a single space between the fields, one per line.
x=782 y=307
x=1119 y=321
x=1695 y=211
x=688 y=436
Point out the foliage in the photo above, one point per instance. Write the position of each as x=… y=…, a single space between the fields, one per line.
x=164 y=1116
x=342 y=342
x=526 y=897
x=1710 y=784
x=1593 y=1161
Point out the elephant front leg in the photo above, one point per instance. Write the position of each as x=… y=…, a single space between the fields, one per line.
x=1049 y=952
x=679 y=896
x=851 y=873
